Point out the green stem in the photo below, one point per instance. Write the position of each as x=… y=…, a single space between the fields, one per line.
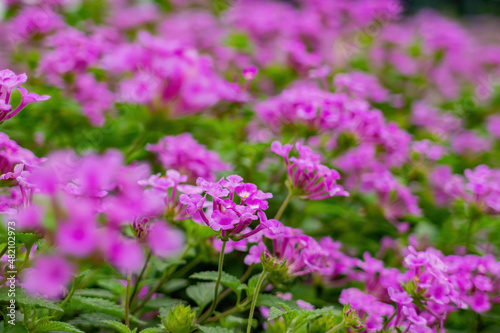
x=389 y=320
x=163 y=279
x=283 y=206
x=223 y=314
x=254 y=300
x=27 y=257
x=71 y=292
x=136 y=286
x=469 y=233
x=217 y=283
x=4 y=250
x=127 y=300
x=336 y=327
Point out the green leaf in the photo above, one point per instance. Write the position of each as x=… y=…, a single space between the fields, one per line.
x=201 y=293
x=163 y=302
x=56 y=326
x=252 y=283
x=274 y=313
x=214 y=329
x=17 y=328
x=153 y=330
x=227 y=280
x=117 y=326
x=101 y=305
x=268 y=300
x=112 y=285
x=101 y=293
x=91 y=320
x=23 y=298
x=25 y=238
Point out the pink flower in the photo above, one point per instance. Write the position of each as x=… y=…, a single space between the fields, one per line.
x=48 y=276
x=480 y=302
x=249 y=73
x=306 y=175
x=125 y=254
x=9 y=81
x=164 y=241
x=493 y=125
x=184 y=154
x=224 y=221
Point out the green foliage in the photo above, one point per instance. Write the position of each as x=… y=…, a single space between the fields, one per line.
x=201 y=293
x=51 y=326
x=179 y=319
x=227 y=280
x=28 y=300
x=117 y=326
x=213 y=329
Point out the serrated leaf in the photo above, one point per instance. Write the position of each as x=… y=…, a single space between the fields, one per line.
x=112 y=285
x=17 y=328
x=44 y=319
x=100 y=305
x=163 y=302
x=23 y=298
x=153 y=330
x=174 y=285
x=101 y=293
x=252 y=283
x=51 y=326
x=274 y=313
x=201 y=293
x=91 y=320
x=163 y=265
x=22 y=237
x=227 y=280
x=214 y=329
x=268 y=300
x=117 y=326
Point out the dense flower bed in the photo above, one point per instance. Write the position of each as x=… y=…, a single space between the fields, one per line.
x=213 y=166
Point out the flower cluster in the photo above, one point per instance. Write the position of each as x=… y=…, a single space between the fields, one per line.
x=185 y=154
x=307 y=177
x=234 y=206
x=8 y=81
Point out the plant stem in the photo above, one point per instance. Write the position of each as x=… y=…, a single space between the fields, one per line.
x=217 y=283
x=71 y=292
x=389 y=320
x=283 y=206
x=141 y=275
x=127 y=300
x=469 y=234
x=27 y=257
x=223 y=314
x=336 y=327
x=4 y=250
x=254 y=300
x=164 y=278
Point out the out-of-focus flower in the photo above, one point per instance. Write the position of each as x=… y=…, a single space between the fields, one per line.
x=184 y=154
x=48 y=276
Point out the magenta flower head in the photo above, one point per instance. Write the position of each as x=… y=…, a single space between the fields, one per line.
x=163 y=240
x=249 y=73
x=235 y=205
x=48 y=276
x=8 y=81
x=307 y=177
x=184 y=154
